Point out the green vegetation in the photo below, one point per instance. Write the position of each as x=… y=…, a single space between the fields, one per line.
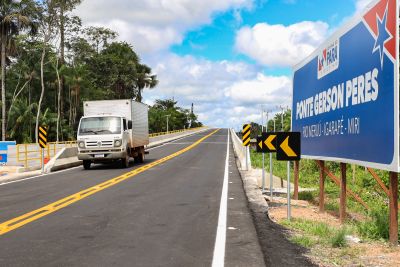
x=376 y=225
x=310 y=233
x=338 y=240
x=179 y=118
x=50 y=64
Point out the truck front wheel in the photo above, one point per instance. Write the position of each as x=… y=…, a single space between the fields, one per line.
x=86 y=164
x=125 y=161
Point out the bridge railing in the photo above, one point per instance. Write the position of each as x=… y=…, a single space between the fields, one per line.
x=174 y=131
x=29 y=155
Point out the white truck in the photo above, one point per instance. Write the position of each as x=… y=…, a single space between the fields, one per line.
x=112 y=130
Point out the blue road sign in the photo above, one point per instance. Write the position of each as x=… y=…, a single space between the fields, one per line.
x=4 y=149
x=345 y=95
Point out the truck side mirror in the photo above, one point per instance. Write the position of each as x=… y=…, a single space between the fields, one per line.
x=130 y=125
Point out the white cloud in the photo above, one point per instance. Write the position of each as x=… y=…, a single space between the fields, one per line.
x=361 y=5
x=263 y=89
x=154 y=25
x=279 y=45
x=225 y=94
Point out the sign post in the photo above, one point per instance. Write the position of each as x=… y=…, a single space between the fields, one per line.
x=271 y=176
x=246 y=141
x=288 y=149
x=42 y=143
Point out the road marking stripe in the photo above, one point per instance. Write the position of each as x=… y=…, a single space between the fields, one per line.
x=24 y=219
x=220 y=240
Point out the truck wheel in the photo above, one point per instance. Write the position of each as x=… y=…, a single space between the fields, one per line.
x=86 y=164
x=125 y=161
x=139 y=158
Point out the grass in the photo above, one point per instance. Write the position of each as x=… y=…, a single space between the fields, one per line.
x=362 y=184
x=303 y=241
x=307 y=195
x=338 y=240
x=310 y=233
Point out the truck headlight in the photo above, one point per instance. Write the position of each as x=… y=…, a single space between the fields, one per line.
x=81 y=144
x=117 y=143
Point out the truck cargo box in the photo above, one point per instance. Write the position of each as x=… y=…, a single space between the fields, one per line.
x=133 y=111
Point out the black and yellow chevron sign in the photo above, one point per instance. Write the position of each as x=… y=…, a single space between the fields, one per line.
x=42 y=136
x=266 y=143
x=288 y=146
x=246 y=134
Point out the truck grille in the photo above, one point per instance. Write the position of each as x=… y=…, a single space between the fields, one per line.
x=90 y=144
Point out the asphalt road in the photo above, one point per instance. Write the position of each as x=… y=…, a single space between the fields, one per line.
x=167 y=215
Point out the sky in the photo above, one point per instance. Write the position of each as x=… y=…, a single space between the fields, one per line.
x=230 y=58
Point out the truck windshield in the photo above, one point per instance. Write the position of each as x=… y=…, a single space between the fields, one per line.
x=100 y=125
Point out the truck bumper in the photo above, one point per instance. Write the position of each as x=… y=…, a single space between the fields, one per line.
x=102 y=156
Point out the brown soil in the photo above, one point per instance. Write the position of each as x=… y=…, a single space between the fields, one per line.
x=367 y=253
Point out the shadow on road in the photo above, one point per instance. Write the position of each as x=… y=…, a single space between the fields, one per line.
x=277 y=249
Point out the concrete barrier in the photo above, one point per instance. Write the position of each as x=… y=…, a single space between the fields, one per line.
x=240 y=151
x=64 y=159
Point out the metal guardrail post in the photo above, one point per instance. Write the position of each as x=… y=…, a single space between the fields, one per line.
x=26 y=156
x=18 y=153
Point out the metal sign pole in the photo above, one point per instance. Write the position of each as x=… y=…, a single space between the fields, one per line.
x=263 y=154
x=247 y=160
x=271 y=182
x=288 y=190
x=271 y=175
x=42 y=160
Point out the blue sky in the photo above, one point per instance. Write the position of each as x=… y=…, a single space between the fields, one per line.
x=215 y=41
x=228 y=57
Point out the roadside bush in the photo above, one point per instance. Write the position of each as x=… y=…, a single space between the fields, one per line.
x=338 y=240
x=378 y=226
x=306 y=195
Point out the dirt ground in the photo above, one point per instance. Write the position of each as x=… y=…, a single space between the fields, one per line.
x=366 y=253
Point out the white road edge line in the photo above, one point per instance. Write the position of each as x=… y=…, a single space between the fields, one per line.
x=220 y=240
x=69 y=169
x=40 y=175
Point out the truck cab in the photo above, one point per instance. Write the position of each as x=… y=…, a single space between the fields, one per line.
x=108 y=138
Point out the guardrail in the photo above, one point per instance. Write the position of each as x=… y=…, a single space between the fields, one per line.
x=175 y=131
x=240 y=151
x=29 y=155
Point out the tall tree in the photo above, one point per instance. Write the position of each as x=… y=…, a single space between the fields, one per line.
x=14 y=17
x=144 y=80
x=100 y=36
x=48 y=21
x=62 y=7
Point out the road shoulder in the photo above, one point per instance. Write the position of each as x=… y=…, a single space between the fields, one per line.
x=242 y=245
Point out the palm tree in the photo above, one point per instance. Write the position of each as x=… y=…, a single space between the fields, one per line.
x=144 y=80
x=15 y=16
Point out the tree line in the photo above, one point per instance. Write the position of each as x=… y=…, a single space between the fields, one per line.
x=50 y=64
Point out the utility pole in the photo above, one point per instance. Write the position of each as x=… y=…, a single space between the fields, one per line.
x=167 y=121
x=280 y=107
x=263 y=154
x=283 y=110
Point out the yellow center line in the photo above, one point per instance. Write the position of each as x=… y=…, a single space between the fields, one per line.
x=26 y=218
